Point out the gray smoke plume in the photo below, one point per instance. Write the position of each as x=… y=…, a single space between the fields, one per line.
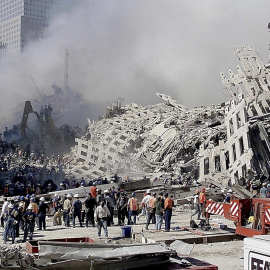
x=131 y=49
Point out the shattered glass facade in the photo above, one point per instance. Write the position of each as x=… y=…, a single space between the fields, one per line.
x=24 y=20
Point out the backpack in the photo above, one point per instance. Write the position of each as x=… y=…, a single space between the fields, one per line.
x=193 y=224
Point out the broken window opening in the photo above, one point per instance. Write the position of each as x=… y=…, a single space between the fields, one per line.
x=227 y=160
x=253 y=110
x=252 y=90
x=258 y=83
x=244 y=171
x=231 y=127
x=261 y=106
x=217 y=164
x=236 y=176
x=241 y=146
x=206 y=166
x=238 y=120
x=83 y=153
x=234 y=152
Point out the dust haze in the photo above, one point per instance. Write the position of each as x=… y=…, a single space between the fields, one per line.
x=132 y=49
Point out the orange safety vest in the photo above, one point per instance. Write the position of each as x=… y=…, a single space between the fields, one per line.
x=133 y=204
x=202 y=197
x=152 y=202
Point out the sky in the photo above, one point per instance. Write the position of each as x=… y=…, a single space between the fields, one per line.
x=133 y=49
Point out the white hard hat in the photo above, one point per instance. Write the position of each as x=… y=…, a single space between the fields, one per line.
x=30 y=207
x=76 y=196
x=106 y=191
x=42 y=199
x=148 y=191
x=69 y=196
x=230 y=190
x=21 y=205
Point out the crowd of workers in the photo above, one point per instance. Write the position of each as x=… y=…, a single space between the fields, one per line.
x=98 y=209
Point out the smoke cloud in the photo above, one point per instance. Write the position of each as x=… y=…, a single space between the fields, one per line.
x=132 y=49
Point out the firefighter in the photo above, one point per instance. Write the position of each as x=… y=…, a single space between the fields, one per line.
x=29 y=219
x=13 y=220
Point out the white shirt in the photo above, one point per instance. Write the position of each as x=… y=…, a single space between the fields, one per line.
x=196 y=199
x=146 y=199
x=4 y=208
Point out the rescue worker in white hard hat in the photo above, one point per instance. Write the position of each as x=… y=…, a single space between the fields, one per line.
x=67 y=208
x=29 y=222
x=14 y=218
x=42 y=210
x=77 y=210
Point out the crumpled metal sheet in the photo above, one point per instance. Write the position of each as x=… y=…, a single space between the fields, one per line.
x=96 y=251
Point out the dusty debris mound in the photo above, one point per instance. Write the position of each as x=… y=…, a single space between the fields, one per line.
x=153 y=139
x=14 y=256
x=224 y=144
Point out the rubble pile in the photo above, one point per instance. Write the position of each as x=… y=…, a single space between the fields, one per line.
x=153 y=139
x=226 y=143
x=15 y=257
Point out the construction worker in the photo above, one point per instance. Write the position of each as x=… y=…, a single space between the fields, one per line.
x=42 y=210
x=229 y=196
x=159 y=213
x=109 y=201
x=202 y=200
x=29 y=220
x=168 y=205
x=132 y=208
x=196 y=203
x=121 y=205
x=102 y=214
x=4 y=211
x=67 y=208
x=77 y=210
x=90 y=204
x=93 y=190
x=144 y=203
x=151 y=209
x=57 y=209
x=263 y=190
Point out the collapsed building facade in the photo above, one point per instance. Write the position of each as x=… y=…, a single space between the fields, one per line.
x=224 y=143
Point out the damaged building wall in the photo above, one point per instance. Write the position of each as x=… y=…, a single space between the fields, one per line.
x=249 y=90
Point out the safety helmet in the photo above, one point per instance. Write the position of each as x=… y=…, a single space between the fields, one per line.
x=133 y=194
x=42 y=199
x=76 y=196
x=27 y=196
x=32 y=199
x=69 y=196
x=30 y=207
x=148 y=191
x=22 y=198
x=106 y=191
